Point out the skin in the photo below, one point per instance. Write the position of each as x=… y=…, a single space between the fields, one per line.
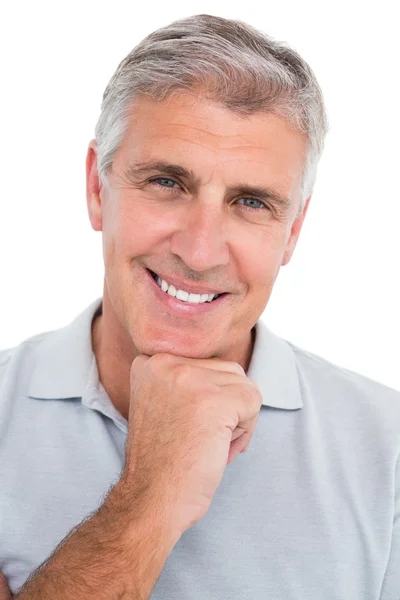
x=5 y=592
x=199 y=232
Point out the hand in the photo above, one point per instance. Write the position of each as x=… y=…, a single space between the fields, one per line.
x=5 y=592
x=188 y=419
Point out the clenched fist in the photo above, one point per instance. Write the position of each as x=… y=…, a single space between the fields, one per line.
x=188 y=419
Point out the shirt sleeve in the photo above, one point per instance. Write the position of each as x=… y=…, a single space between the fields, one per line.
x=391 y=582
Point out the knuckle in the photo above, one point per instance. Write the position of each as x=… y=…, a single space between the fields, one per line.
x=160 y=358
x=255 y=394
x=160 y=361
x=258 y=398
x=137 y=364
x=183 y=374
x=246 y=393
x=235 y=367
x=239 y=369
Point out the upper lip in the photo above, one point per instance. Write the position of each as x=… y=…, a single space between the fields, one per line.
x=188 y=286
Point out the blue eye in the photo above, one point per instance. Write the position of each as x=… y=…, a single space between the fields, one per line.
x=165 y=187
x=254 y=201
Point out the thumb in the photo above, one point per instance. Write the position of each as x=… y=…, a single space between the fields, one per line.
x=5 y=592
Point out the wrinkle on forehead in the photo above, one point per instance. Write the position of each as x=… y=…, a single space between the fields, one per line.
x=258 y=137
x=205 y=116
x=266 y=134
x=261 y=163
x=221 y=146
x=204 y=137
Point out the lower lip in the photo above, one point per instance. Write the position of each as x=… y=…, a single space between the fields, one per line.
x=184 y=308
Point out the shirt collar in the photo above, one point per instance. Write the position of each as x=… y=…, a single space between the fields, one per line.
x=64 y=363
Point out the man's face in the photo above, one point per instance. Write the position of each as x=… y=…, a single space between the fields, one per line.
x=196 y=231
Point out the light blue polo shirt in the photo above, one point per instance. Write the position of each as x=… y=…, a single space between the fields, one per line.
x=310 y=512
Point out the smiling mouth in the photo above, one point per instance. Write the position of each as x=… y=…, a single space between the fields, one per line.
x=182 y=295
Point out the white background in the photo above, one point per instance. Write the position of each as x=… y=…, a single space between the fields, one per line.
x=339 y=297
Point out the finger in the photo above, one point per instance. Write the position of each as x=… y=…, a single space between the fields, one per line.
x=241 y=441
x=216 y=364
x=237 y=433
x=236 y=447
x=245 y=401
x=220 y=377
x=138 y=363
x=140 y=359
x=206 y=363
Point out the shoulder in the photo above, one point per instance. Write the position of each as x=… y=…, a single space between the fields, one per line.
x=18 y=357
x=325 y=375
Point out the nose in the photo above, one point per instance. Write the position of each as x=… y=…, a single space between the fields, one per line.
x=200 y=238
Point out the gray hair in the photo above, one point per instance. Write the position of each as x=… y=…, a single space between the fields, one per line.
x=236 y=65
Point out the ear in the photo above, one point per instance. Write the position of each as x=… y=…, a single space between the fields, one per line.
x=93 y=187
x=294 y=234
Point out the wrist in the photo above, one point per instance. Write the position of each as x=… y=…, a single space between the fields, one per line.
x=140 y=513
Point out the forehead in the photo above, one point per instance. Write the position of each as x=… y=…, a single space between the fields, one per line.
x=203 y=135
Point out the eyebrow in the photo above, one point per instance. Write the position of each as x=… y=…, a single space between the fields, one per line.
x=263 y=193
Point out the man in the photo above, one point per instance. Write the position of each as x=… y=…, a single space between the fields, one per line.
x=166 y=443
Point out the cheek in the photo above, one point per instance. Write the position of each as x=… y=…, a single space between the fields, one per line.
x=261 y=274
x=261 y=252
x=139 y=226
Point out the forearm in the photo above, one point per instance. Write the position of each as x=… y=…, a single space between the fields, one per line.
x=116 y=554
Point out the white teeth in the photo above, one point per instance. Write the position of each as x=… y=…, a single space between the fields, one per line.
x=182 y=295
x=172 y=290
x=195 y=298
